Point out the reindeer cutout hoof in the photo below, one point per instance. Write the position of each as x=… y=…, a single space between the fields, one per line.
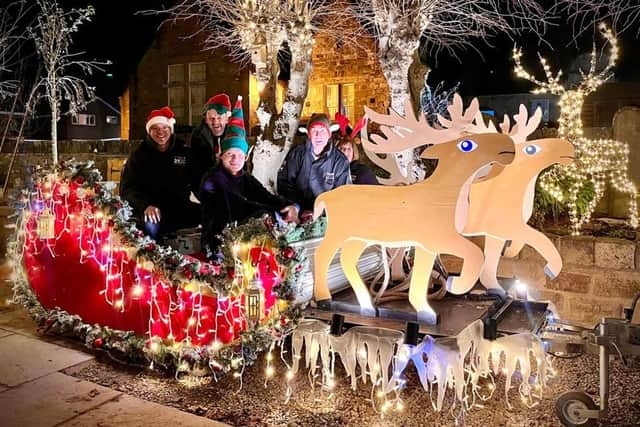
x=429 y=317
x=549 y=272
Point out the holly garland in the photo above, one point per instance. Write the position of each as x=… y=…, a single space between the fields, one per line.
x=217 y=278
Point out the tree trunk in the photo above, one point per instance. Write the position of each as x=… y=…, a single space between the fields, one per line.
x=276 y=139
x=396 y=61
x=54 y=127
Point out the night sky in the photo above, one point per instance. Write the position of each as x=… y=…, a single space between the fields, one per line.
x=118 y=34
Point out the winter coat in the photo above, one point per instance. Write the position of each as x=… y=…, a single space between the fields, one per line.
x=226 y=198
x=162 y=179
x=302 y=177
x=361 y=174
x=206 y=147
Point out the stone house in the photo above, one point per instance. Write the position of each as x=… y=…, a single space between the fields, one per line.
x=176 y=71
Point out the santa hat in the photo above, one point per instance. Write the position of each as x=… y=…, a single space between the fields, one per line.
x=234 y=135
x=220 y=103
x=162 y=116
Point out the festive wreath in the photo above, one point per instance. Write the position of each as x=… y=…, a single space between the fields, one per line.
x=83 y=268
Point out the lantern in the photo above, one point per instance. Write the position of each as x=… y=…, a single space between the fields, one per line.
x=254 y=301
x=45 y=224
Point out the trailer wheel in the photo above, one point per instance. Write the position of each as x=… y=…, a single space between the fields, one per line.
x=570 y=407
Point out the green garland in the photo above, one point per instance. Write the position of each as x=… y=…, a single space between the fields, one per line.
x=176 y=268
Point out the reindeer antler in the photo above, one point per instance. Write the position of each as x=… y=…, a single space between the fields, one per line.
x=411 y=131
x=523 y=126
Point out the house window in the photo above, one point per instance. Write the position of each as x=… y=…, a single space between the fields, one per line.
x=83 y=120
x=112 y=120
x=197 y=91
x=176 y=101
x=340 y=98
x=187 y=91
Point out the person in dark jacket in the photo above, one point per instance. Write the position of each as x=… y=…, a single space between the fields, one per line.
x=158 y=178
x=347 y=143
x=228 y=193
x=206 y=138
x=314 y=167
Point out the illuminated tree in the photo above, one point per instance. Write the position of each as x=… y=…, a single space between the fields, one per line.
x=449 y=25
x=53 y=38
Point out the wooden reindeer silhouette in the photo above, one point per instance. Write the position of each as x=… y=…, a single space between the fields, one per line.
x=502 y=203
x=422 y=215
x=600 y=162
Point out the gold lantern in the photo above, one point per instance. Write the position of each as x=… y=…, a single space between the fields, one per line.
x=46 y=224
x=254 y=301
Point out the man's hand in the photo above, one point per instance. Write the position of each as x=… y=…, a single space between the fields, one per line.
x=152 y=214
x=290 y=214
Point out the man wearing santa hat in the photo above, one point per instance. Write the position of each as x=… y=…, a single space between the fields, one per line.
x=158 y=178
x=206 y=138
x=228 y=193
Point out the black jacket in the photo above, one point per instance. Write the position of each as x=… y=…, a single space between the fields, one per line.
x=226 y=198
x=161 y=179
x=302 y=177
x=206 y=147
x=361 y=174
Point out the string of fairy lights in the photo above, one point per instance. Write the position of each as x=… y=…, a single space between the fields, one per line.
x=599 y=163
x=61 y=219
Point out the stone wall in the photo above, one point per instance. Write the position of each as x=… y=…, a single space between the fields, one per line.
x=33 y=153
x=599 y=278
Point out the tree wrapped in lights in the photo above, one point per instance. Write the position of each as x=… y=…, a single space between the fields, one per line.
x=450 y=25
x=53 y=37
x=258 y=31
x=599 y=162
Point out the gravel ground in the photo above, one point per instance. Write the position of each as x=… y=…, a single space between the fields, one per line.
x=257 y=405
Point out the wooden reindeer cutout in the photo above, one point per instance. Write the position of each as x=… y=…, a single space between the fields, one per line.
x=502 y=203
x=420 y=215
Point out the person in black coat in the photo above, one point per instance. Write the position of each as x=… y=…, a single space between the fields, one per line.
x=158 y=179
x=206 y=138
x=313 y=168
x=228 y=193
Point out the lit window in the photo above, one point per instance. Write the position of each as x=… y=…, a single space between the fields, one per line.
x=112 y=120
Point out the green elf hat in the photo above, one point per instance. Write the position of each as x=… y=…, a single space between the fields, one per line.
x=220 y=103
x=234 y=135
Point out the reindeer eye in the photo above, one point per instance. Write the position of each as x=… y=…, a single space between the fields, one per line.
x=467 y=146
x=531 y=149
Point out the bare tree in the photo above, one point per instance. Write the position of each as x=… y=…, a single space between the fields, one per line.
x=12 y=17
x=256 y=31
x=449 y=25
x=622 y=14
x=53 y=38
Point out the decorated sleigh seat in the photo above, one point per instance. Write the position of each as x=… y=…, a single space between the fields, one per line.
x=84 y=269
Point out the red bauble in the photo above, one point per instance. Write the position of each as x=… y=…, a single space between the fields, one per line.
x=98 y=342
x=288 y=252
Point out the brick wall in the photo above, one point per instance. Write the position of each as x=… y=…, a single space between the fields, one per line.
x=334 y=64
x=149 y=85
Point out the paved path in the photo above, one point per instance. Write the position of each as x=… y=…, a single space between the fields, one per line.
x=34 y=392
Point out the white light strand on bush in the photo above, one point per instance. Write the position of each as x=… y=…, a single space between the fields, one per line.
x=598 y=162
